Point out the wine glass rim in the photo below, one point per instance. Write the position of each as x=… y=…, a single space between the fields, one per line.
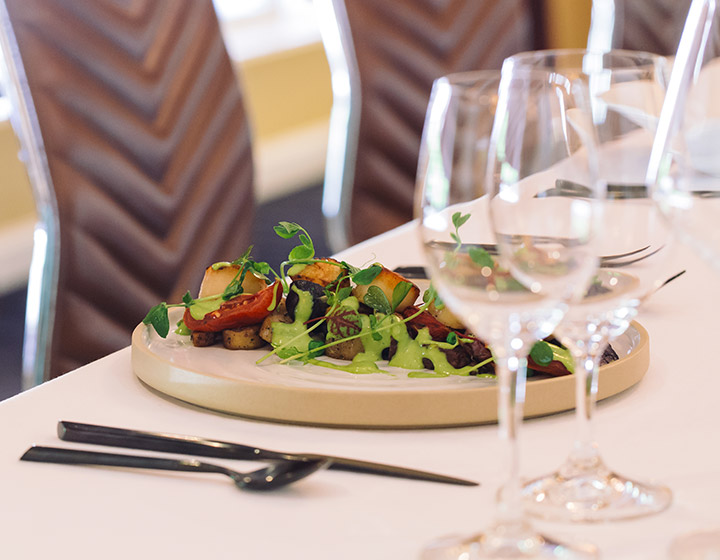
x=646 y=58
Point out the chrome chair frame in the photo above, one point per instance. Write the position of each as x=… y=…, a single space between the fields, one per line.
x=43 y=273
x=344 y=121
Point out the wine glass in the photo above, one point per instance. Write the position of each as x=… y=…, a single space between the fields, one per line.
x=489 y=138
x=626 y=90
x=684 y=172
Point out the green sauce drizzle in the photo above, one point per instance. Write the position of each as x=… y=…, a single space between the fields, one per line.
x=295 y=334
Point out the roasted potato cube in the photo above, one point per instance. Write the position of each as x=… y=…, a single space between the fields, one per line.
x=445 y=316
x=386 y=281
x=345 y=350
x=201 y=339
x=217 y=277
x=321 y=272
x=243 y=338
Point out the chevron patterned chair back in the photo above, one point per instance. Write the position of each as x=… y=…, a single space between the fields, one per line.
x=134 y=132
x=642 y=25
x=384 y=56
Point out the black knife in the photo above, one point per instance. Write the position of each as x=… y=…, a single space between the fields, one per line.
x=191 y=445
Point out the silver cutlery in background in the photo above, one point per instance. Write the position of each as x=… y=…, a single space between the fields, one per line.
x=174 y=443
x=275 y=475
x=609 y=261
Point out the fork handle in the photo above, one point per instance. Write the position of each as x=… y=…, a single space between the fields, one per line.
x=65 y=456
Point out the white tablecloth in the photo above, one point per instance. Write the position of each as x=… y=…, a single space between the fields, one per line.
x=665 y=428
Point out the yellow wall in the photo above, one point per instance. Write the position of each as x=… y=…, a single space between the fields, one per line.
x=16 y=201
x=287 y=90
x=568 y=22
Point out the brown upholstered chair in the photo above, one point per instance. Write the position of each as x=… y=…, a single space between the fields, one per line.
x=137 y=143
x=384 y=56
x=643 y=25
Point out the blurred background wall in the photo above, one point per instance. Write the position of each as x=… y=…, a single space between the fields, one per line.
x=281 y=62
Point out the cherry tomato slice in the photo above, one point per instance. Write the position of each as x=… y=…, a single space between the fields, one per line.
x=240 y=311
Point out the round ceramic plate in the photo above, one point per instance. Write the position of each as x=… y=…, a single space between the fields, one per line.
x=231 y=381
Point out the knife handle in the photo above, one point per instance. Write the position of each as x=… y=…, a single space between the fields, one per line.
x=42 y=454
x=150 y=441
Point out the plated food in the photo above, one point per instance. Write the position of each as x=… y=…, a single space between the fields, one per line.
x=313 y=309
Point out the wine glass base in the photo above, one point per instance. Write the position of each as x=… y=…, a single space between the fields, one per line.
x=506 y=543
x=595 y=494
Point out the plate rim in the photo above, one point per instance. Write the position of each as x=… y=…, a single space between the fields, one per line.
x=365 y=408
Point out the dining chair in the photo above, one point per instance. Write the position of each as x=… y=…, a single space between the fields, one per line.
x=137 y=144
x=642 y=25
x=383 y=58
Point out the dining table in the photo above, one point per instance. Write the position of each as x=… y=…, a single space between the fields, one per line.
x=662 y=428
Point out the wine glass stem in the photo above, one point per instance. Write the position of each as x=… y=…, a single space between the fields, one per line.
x=511 y=372
x=585 y=450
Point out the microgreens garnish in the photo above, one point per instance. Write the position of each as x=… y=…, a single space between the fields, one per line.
x=366 y=276
x=400 y=291
x=301 y=254
x=541 y=353
x=481 y=257
x=343 y=323
x=377 y=300
x=458 y=221
x=158 y=317
x=306 y=249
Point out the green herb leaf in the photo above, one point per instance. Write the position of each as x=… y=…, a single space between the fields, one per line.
x=377 y=299
x=339 y=295
x=261 y=268
x=312 y=352
x=288 y=352
x=245 y=256
x=343 y=293
x=366 y=276
x=187 y=299
x=301 y=253
x=459 y=219
x=305 y=240
x=399 y=292
x=350 y=268
x=158 y=318
x=481 y=257
x=451 y=338
x=234 y=288
x=286 y=230
x=541 y=353
x=430 y=294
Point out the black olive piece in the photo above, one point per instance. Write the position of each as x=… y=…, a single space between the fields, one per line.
x=609 y=355
x=320 y=305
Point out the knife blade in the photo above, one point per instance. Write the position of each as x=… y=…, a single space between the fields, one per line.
x=615 y=191
x=192 y=445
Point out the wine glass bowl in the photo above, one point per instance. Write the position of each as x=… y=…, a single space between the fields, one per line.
x=684 y=172
x=491 y=143
x=626 y=93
